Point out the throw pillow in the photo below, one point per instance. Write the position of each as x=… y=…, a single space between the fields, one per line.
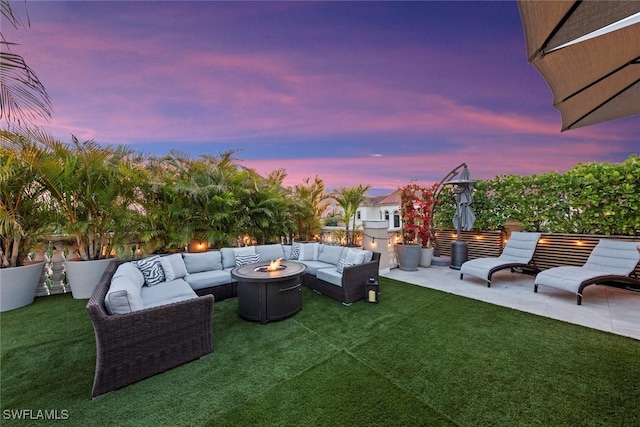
x=309 y=252
x=342 y=264
x=173 y=267
x=151 y=270
x=247 y=259
x=295 y=251
x=355 y=256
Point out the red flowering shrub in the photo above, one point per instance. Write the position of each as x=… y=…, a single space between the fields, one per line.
x=416 y=210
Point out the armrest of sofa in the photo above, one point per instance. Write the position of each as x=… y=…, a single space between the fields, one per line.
x=355 y=276
x=137 y=345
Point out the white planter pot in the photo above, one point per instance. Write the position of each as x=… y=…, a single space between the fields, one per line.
x=18 y=285
x=426 y=256
x=83 y=276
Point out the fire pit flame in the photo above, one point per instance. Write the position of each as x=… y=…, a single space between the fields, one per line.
x=274 y=265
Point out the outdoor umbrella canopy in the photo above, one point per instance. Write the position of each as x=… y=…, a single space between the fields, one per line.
x=589 y=54
x=464 y=217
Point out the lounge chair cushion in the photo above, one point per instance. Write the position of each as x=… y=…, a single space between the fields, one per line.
x=608 y=258
x=518 y=250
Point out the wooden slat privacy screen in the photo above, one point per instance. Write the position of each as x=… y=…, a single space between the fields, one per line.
x=553 y=250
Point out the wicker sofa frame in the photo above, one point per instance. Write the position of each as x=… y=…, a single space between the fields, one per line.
x=353 y=281
x=134 y=346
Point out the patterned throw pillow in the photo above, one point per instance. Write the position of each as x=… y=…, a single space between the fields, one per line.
x=151 y=270
x=247 y=259
x=342 y=264
x=295 y=251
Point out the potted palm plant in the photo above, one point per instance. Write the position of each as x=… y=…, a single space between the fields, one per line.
x=26 y=217
x=94 y=189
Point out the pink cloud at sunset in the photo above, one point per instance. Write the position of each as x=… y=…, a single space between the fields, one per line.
x=315 y=88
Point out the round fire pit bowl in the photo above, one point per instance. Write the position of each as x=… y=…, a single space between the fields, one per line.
x=265 y=296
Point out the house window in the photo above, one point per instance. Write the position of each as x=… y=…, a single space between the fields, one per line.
x=386 y=215
x=396 y=219
x=358 y=215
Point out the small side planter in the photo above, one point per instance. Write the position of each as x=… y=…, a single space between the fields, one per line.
x=426 y=255
x=18 y=285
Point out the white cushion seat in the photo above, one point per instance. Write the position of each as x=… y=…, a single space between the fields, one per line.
x=166 y=293
x=517 y=253
x=330 y=275
x=610 y=260
x=207 y=279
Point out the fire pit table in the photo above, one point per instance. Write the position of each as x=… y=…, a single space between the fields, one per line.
x=264 y=295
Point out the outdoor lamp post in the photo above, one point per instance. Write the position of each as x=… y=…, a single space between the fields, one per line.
x=372 y=288
x=464 y=217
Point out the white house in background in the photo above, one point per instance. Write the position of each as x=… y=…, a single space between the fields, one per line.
x=385 y=207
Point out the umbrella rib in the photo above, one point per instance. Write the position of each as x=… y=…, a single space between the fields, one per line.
x=595 y=82
x=541 y=51
x=604 y=102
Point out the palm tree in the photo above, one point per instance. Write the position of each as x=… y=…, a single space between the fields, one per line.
x=23 y=97
x=26 y=216
x=349 y=199
x=311 y=204
x=94 y=188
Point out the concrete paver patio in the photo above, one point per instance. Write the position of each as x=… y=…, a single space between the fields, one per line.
x=605 y=308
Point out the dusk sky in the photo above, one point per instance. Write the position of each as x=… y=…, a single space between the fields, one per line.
x=372 y=93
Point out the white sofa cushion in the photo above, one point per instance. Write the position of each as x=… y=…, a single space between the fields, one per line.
x=130 y=270
x=355 y=256
x=229 y=255
x=173 y=266
x=208 y=279
x=314 y=266
x=330 y=275
x=331 y=254
x=166 y=293
x=123 y=295
x=204 y=261
x=309 y=251
x=270 y=252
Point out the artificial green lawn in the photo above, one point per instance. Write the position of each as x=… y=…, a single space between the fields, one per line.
x=420 y=357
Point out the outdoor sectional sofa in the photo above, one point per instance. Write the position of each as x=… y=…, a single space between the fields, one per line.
x=155 y=314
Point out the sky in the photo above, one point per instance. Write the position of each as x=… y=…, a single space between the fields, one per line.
x=355 y=93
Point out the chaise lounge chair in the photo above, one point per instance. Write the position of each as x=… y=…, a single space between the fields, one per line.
x=517 y=253
x=610 y=261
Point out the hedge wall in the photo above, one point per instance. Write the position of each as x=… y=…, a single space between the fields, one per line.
x=590 y=198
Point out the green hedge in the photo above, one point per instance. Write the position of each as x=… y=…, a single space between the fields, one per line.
x=590 y=198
